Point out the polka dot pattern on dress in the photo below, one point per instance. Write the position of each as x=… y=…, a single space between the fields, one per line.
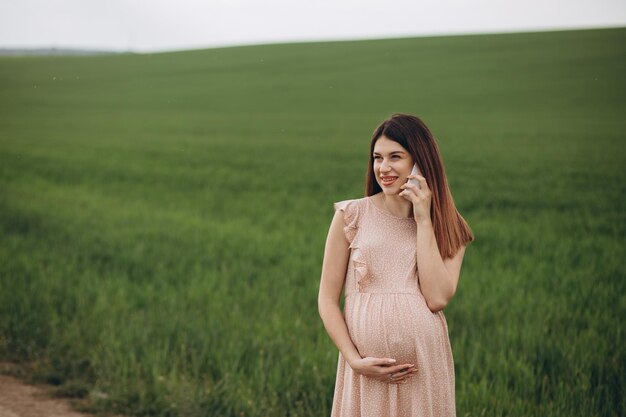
x=387 y=316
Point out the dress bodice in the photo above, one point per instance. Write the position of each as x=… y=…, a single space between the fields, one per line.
x=383 y=249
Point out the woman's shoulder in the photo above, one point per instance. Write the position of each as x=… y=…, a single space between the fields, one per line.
x=352 y=211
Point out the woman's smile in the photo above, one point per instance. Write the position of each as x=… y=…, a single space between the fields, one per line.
x=387 y=181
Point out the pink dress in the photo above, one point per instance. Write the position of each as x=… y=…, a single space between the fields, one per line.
x=387 y=316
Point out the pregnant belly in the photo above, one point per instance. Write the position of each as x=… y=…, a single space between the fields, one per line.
x=398 y=326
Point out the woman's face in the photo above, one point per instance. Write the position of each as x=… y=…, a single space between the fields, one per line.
x=392 y=165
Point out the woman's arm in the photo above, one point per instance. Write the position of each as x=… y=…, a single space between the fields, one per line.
x=336 y=256
x=438 y=278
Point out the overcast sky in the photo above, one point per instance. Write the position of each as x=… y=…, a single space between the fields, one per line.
x=159 y=25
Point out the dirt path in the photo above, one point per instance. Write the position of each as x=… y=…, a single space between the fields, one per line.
x=18 y=399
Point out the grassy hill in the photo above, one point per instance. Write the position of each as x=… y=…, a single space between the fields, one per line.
x=163 y=218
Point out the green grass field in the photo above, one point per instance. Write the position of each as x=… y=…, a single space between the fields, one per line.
x=163 y=218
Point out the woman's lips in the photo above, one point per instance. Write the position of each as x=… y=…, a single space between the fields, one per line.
x=387 y=183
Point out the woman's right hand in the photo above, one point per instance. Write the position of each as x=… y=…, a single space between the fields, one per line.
x=383 y=369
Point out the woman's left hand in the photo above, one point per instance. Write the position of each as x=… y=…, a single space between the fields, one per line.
x=419 y=196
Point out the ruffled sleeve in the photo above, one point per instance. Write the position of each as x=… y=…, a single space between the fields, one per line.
x=350 y=210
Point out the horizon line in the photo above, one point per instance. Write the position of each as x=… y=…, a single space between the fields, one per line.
x=304 y=40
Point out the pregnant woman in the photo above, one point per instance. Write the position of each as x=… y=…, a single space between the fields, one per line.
x=397 y=254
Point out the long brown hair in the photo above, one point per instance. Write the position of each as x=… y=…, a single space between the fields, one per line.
x=451 y=229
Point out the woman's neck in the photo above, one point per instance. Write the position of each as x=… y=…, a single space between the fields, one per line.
x=397 y=205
